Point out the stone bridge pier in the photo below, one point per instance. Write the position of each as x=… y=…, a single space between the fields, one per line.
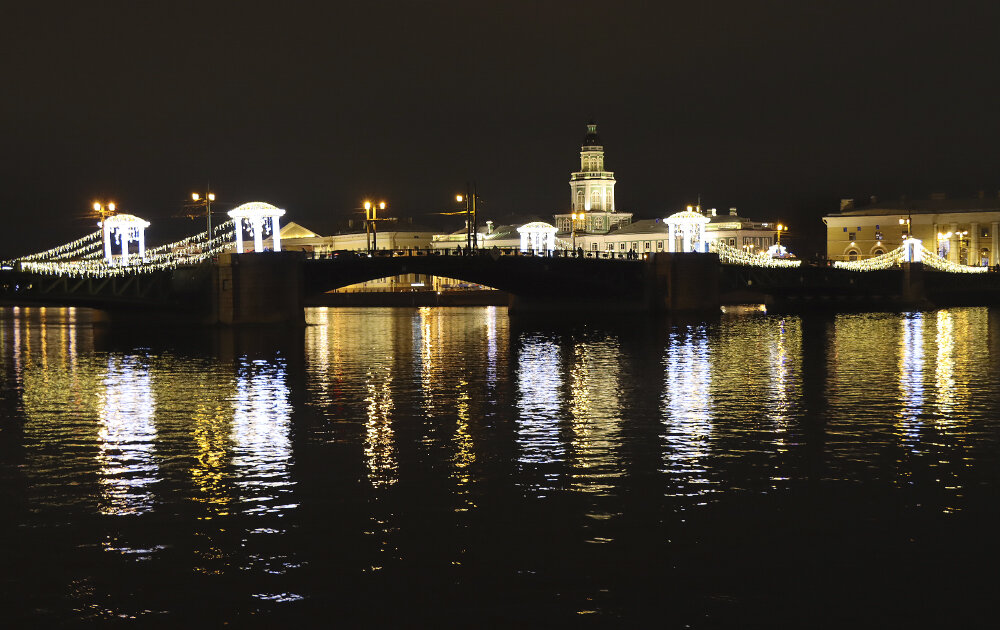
x=258 y=288
x=682 y=282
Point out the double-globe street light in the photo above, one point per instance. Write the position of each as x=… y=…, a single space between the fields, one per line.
x=206 y=201
x=371 y=233
x=471 y=229
x=104 y=210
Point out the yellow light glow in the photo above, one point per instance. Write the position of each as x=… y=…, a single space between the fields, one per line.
x=902 y=221
x=368 y=205
x=195 y=197
x=111 y=206
x=97 y=207
x=381 y=205
x=458 y=197
x=211 y=196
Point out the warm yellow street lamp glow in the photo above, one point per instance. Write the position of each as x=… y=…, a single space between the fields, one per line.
x=211 y=196
x=97 y=207
x=381 y=205
x=195 y=197
x=902 y=221
x=368 y=205
x=458 y=198
x=111 y=206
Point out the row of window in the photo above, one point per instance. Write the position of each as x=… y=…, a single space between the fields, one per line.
x=852 y=236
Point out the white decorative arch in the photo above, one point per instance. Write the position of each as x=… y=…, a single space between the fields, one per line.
x=537 y=236
x=261 y=219
x=123 y=229
x=690 y=226
x=913 y=250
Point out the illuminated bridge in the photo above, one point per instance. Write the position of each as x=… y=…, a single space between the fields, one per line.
x=199 y=279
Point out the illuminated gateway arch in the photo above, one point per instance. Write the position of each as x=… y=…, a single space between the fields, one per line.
x=261 y=219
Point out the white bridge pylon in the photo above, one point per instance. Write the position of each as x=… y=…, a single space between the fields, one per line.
x=261 y=219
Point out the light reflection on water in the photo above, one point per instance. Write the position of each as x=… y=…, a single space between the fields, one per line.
x=687 y=411
x=127 y=435
x=539 y=405
x=383 y=444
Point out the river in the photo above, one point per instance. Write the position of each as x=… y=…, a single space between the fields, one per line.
x=454 y=466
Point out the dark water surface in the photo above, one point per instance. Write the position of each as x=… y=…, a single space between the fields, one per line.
x=456 y=467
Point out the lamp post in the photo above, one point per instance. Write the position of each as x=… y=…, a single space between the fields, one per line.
x=471 y=233
x=205 y=200
x=906 y=222
x=781 y=228
x=371 y=216
x=104 y=209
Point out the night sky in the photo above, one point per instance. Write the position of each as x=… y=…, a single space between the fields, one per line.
x=777 y=108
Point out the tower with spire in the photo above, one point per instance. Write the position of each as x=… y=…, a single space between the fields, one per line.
x=592 y=192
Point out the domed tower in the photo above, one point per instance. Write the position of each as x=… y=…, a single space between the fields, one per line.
x=592 y=188
x=592 y=192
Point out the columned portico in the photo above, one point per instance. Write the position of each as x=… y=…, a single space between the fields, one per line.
x=538 y=237
x=124 y=229
x=687 y=226
x=262 y=220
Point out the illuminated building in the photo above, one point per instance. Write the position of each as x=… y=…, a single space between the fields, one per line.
x=592 y=192
x=962 y=231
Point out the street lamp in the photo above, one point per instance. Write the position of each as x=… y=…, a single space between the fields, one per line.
x=471 y=234
x=206 y=201
x=104 y=210
x=574 y=215
x=781 y=228
x=371 y=234
x=906 y=222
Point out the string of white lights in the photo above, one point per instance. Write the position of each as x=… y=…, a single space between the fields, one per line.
x=100 y=268
x=733 y=256
x=49 y=253
x=933 y=260
x=896 y=257
x=875 y=263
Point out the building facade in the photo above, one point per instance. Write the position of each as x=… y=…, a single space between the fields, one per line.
x=963 y=231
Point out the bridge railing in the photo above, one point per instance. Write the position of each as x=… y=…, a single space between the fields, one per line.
x=491 y=251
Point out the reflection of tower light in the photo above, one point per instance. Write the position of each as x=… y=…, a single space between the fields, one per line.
x=539 y=380
x=780 y=364
x=127 y=467
x=380 y=452
x=945 y=367
x=687 y=408
x=595 y=410
x=911 y=374
x=491 y=347
x=262 y=448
